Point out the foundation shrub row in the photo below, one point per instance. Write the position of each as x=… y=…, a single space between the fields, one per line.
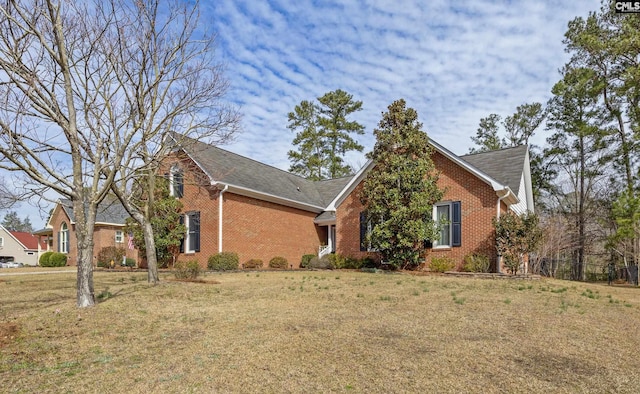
x=228 y=261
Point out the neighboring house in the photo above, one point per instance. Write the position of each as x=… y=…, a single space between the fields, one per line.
x=59 y=233
x=235 y=204
x=19 y=246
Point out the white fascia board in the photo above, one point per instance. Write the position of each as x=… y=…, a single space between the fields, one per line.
x=325 y=222
x=243 y=191
x=508 y=196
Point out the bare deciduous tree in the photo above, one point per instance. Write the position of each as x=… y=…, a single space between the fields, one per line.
x=170 y=92
x=82 y=112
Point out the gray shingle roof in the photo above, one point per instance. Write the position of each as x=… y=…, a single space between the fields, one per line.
x=230 y=168
x=504 y=165
x=109 y=211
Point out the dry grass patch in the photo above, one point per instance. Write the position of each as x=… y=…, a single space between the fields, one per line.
x=319 y=332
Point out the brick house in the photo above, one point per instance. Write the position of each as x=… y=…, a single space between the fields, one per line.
x=232 y=203
x=59 y=233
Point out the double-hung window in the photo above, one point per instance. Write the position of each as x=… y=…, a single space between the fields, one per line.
x=447 y=215
x=191 y=242
x=176 y=182
x=119 y=236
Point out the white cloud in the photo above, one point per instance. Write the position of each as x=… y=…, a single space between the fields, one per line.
x=453 y=62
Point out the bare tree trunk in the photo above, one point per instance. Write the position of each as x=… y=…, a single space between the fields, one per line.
x=152 y=260
x=85 y=292
x=85 y=219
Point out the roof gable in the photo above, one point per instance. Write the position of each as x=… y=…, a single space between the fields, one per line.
x=110 y=211
x=504 y=165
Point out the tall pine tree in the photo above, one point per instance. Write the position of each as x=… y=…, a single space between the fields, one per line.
x=577 y=148
x=399 y=191
x=324 y=136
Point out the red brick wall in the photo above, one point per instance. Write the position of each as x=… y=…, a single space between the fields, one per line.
x=103 y=236
x=57 y=218
x=478 y=203
x=263 y=230
x=348 y=226
x=252 y=228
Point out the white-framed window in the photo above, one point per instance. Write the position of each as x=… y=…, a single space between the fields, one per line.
x=63 y=238
x=191 y=242
x=442 y=216
x=1 y=242
x=448 y=215
x=119 y=236
x=176 y=182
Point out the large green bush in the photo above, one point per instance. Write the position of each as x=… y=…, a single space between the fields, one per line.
x=44 y=259
x=278 y=262
x=225 y=261
x=57 y=260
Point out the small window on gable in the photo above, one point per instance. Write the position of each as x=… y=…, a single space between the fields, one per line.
x=1 y=241
x=176 y=182
x=119 y=237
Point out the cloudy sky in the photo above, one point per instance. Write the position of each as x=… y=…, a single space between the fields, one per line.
x=453 y=61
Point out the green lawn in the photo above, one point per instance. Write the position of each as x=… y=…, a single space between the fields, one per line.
x=317 y=331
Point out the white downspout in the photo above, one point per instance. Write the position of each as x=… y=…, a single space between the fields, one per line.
x=498 y=218
x=220 y=198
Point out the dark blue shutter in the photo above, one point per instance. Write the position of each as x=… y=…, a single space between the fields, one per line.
x=363 y=231
x=456 y=219
x=182 y=240
x=59 y=241
x=194 y=236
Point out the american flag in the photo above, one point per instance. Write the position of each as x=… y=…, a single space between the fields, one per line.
x=130 y=241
